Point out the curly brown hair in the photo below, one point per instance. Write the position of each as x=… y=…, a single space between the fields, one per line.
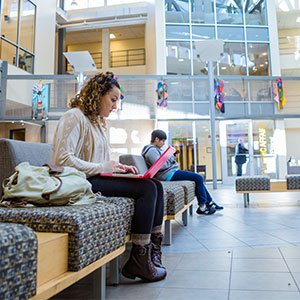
x=89 y=98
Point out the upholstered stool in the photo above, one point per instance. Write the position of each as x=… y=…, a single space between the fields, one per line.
x=247 y=184
x=293 y=182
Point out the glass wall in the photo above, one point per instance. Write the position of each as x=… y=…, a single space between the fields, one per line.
x=178 y=58
x=17 y=33
x=264 y=148
x=241 y=24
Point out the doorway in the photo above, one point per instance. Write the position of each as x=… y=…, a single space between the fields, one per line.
x=17 y=134
x=230 y=132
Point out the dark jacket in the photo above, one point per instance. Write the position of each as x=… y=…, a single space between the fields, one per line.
x=240 y=156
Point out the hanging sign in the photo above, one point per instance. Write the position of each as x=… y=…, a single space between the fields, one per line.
x=280 y=93
x=40 y=98
x=162 y=94
x=219 y=95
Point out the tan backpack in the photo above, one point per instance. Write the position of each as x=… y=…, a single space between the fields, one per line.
x=46 y=186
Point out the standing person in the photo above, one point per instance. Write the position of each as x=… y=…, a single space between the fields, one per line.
x=170 y=172
x=80 y=142
x=240 y=156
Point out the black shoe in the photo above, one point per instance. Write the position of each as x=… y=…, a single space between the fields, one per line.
x=209 y=210
x=215 y=205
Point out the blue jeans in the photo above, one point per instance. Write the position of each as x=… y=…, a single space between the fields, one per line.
x=202 y=193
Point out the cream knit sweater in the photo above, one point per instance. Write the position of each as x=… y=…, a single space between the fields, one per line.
x=80 y=144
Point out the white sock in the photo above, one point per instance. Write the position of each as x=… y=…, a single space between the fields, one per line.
x=202 y=208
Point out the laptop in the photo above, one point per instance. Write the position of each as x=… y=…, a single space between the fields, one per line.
x=151 y=171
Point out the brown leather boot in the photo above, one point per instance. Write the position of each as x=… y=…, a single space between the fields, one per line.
x=140 y=265
x=156 y=239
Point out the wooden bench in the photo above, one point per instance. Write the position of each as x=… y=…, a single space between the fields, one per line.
x=276 y=185
x=52 y=267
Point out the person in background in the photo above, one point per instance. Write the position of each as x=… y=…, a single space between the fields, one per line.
x=240 y=156
x=170 y=172
x=80 y=142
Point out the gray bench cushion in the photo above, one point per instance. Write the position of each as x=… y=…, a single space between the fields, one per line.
x=175 y=197
x=293 y=182
x=189 y=190
x=127 y=204
x=14 y=152
x=252 y=183
x=18 y=267
x=94 y=230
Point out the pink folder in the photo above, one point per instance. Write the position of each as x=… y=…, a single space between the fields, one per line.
x=152 y=171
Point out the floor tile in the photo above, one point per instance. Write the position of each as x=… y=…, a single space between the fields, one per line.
x=263 y=295
x=263 y=241
x=205 y=264
x=259 y=265
x=257 y=253
x=192 y=294
x=171 y=261
x=130 y=292
x=222 y=243
x=198 y=279
x=293 y=264
x=296 y=276
x=291 y=252
x=262 y=281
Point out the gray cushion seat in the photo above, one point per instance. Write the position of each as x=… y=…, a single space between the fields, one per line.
x=18 y=266
x=189 y=190
x=93 y=230
x=252 y=183
x=293 y=182
x=174 y=197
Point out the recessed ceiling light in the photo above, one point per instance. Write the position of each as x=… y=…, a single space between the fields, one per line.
x=298 y=20
x=112 y=36
x=180 y=59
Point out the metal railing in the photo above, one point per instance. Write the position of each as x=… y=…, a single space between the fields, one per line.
x=127 y=58
x=120 y=58
x=188 y=96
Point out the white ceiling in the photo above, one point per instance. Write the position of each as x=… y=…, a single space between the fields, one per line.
x=287 y=20
x=95 y=35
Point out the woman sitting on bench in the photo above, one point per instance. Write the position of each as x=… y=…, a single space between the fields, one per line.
x=80 y=142
x=170 y=172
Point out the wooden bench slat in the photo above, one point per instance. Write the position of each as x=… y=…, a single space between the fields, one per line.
x=52 y=259
x=65 y=280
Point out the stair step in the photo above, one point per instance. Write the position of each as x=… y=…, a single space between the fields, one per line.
x=52 y=256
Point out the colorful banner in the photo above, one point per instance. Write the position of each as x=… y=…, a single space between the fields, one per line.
x=162 y=94
x=280 y=93
x=219 y=95
x=40 y=98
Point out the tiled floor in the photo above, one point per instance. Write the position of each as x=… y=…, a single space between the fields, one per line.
x=238 y=253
